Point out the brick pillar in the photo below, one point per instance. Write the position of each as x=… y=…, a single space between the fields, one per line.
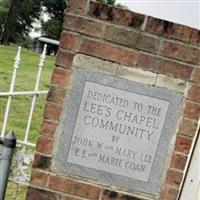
x=147 y=50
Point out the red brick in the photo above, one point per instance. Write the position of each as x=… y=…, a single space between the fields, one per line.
x=38 y=178
x=44 y=145
x=131 y=39
x=188 y=127
x=41 y=162
x=69 y=41
x=112 y=195
x=109 y=52
x=69 y=198
x=183 y=144
x=77 y=6
x=196 y=76
x=64 y=59
x=176 y=70
x=169 y=194
x=60 y=76
x=181 y=52
x=192 y=110
x=149 y=62
x=174 y=178
x=172 y=30
x=116 y=15
x=163 y=66
x=82 y=25
x=72 y=187
x=194 y=94
x=48 y=128
x=52 y=111
x=56 y=94
x=38 y=194
x=178 y=161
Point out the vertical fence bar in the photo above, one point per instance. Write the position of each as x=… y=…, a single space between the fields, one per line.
x=41 y=64
x=12 y=85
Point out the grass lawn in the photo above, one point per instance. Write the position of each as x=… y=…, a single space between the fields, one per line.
x=15 y=192
x=25 y=81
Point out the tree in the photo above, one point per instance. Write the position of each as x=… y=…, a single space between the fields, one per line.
x=19 y=18
x=52 y=28
x=55 y=10
x=4 y=8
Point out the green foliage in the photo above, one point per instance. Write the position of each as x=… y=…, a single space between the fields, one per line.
x=27 y=42
x=20 y=191
x=20 y=14
x=112 y=2
x=55 y=10
x=52 y=28
x=4 y=8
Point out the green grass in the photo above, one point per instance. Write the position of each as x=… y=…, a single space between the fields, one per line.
x=26 y=77
x=15 y=191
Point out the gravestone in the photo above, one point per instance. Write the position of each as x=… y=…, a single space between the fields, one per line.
x=116 y=131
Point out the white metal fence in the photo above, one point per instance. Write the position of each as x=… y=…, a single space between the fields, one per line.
x=23 y=157
x=12 y=93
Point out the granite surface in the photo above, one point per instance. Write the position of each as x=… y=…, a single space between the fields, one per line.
x=116 y=132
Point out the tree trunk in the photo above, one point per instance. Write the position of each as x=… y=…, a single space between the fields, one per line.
x=10 y=26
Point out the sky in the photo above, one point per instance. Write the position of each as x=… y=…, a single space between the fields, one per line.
x=186 y=12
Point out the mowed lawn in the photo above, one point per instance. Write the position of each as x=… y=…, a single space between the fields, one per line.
x=26 y=77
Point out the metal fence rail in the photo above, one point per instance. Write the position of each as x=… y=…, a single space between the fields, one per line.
x=35 y=93
x=23 y=156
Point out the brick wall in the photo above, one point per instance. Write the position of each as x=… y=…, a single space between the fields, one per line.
x=169 y=51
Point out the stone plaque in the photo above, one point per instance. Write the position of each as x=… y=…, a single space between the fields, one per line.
x=116 y=131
